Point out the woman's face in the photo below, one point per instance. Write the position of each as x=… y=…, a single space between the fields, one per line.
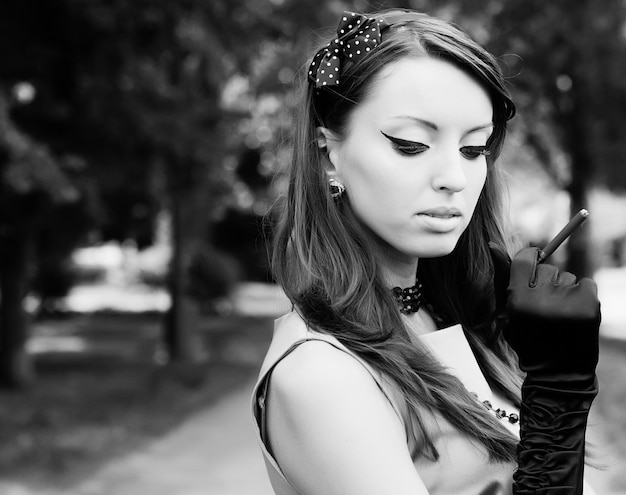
x=413 y=158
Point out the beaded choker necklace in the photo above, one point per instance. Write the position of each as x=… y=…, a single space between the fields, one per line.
x=410 y=299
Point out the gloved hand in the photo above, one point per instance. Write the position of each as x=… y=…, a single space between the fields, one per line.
x=551 y=320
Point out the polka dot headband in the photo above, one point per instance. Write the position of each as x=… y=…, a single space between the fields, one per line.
x=357 y=35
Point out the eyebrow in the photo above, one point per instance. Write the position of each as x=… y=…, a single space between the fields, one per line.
x=434 y=127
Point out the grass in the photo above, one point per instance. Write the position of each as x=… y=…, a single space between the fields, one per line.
x=109 y=397
x=87 y=407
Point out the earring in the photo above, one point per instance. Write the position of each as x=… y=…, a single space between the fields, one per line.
x=336 y=189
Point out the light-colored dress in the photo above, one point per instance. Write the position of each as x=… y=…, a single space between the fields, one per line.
x=463 y=467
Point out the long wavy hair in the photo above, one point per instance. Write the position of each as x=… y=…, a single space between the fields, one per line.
x=326 y=261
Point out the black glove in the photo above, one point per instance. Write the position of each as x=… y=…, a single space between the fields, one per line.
x=552 y=323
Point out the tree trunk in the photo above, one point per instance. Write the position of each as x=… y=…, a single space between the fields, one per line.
x=578 y=130
x=181 y=337
x=16 y=368
x=579 y=260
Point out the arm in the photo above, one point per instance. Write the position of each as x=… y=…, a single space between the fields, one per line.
x=552 y=323
x=333 y=431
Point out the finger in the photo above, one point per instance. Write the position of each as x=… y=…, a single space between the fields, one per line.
x=589 y=286
x=566 y=279
x=524 y=267
x=546 y=274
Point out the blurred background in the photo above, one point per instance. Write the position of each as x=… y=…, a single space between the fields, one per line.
x=142 y=144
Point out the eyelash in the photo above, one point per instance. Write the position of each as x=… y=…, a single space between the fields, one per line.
x=473 y=152
x=413 y=148
x=406 y=147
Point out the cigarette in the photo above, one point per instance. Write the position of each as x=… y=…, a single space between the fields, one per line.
x=566 y=231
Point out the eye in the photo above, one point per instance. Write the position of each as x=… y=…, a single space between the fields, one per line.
x=473 y=152
x=406 y=147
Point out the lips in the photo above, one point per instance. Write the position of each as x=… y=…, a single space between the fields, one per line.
x=441 y=212
x=441 y=220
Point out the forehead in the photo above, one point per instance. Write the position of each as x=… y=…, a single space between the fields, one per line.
x=429 y=89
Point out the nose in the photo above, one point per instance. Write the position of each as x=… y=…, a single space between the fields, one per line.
x=449 y=173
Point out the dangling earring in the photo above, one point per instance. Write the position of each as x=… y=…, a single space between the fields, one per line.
x=336 y=189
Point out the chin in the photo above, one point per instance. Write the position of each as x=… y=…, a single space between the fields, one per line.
x=442 y=247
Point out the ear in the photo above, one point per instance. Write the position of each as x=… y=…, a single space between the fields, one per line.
x=328 y=140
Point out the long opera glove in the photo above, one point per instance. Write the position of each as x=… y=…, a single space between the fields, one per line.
x=551 y=320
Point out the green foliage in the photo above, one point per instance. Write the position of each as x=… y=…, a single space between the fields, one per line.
x=212 y=276
x=136 y=90
x=569 y=83
x=246 y=237
x=28 y=167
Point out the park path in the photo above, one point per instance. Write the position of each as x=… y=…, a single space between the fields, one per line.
x=213 y=452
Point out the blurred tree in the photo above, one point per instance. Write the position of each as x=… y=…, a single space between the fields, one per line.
x=32 y=181
x=137 y=90
x=133 y=88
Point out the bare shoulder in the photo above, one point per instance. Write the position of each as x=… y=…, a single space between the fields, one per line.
x=317 y=384
x=318 y=367
x=331 y=428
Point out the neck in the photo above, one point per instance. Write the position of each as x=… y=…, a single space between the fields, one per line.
x=400 y=273
x=398 y=269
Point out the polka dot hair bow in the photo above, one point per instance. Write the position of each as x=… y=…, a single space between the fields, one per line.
x=357 y=35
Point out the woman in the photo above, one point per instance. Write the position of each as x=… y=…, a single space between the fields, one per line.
x=378 y=383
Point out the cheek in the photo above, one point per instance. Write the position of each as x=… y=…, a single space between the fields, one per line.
x=373 y=196
x=476 y=183
x=377 y=186
x=364 y=173
x=375 y=192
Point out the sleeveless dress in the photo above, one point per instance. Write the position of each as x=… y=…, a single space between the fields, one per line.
x=463 y=467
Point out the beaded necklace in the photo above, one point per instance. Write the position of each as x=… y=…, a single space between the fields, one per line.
x=409 y=299
x=500 y=413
